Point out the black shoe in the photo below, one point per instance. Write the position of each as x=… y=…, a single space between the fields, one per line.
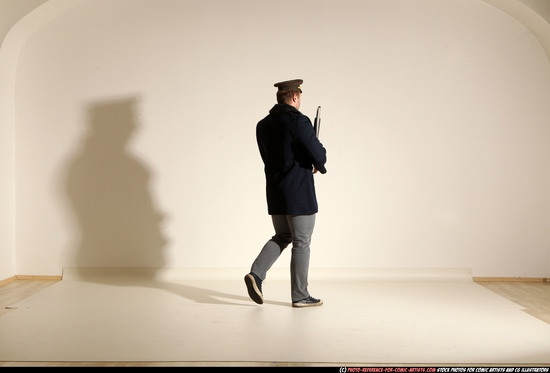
x=254 y=286
x=308 y=302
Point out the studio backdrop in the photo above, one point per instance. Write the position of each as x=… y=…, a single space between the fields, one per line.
x=134 y=133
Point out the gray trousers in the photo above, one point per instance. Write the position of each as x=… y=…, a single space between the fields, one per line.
x=295 y=229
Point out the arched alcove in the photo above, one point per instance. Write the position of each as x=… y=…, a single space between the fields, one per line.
x=435 y=122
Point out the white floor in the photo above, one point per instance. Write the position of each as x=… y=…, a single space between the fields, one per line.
x=206 y=316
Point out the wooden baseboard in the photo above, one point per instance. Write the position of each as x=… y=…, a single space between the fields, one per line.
x=475 y=279
x=33 y=277
x=7 y=280
x=511 y=279
x=30 y=277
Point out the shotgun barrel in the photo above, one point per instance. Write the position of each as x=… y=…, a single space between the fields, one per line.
x=317 y=122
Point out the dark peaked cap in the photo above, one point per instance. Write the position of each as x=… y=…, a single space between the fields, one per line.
x=289 y=84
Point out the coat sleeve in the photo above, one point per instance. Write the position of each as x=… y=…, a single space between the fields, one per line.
x=306 y=135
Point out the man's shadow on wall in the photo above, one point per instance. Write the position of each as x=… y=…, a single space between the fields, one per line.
x=118 y=222
x=108 y=190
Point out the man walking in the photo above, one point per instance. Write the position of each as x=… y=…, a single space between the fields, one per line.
x=291 y=154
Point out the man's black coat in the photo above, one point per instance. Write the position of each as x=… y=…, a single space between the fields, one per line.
x=290 y=150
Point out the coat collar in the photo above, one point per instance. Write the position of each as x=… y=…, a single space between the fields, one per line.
x=282 y=108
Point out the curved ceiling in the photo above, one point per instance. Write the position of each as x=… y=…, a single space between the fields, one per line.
x=534 y=14
x=12 y=11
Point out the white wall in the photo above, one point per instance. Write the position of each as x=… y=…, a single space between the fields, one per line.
x=7 y=163
x=135 y=134
x=11 y=11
